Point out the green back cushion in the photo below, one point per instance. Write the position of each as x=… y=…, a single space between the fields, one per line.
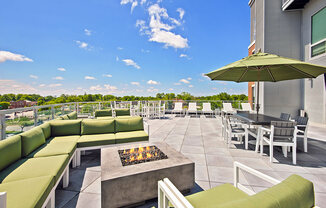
x=122 y=112
x=72 y=115
x=65 y=117
x=65 y=127
x=10 y=151
x=293 y=192
x=46 y=130
x=131 y=124
x=101 y=113
x=31 y=140
x=89 y=126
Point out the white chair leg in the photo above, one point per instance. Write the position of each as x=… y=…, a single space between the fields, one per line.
x=261 y=146
x=78 y=158
x=285 y=151
x=271 y=152
x=246 y=140
x=3 y=199
x=74 y=160
x=65 y=178
x=294 y=154
x=305 y=143
x=229 y=140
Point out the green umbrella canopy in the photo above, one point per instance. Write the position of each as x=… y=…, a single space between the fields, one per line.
x=266 y=67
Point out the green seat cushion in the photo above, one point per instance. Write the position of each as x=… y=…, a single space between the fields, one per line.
x=96 y=140
x=125 y=117
x=122 y=112
x=72 y=138
x=65 y=127
x=54 y=148
x=94 y=126
x=131 y=124
x=59 y=118
x=35 y=167
x=216 y=197
x=101 y=113
x=28 y=193
x=31 y=140
x=105 y=118
x=10 y=151
x=46 y=128
x=131 y=136
x=72 y=115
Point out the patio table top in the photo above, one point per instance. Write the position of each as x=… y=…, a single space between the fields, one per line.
x=256 y=119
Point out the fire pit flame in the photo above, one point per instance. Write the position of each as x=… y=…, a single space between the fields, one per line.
x=141 y=155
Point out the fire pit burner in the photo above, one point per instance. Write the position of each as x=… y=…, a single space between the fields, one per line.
x=141 y=155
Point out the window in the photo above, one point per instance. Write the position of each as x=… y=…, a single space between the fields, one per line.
x=318 y=33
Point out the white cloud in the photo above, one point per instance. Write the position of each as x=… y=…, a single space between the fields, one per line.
x=89 y=78
x=117 y=58
x=177 y=83
x=42 y=85
x=107 y=75
x=82 y=44
x=133 y=3
x=152 y=89
x=61 y=69
x=181 y=12
x=189 y=78
x=119 y=48
x=135 y=83
x=96 y=88
x=58 y=78
x=160 y=32
x=110 y=87
x=183 y=55
x=12 y=86
x=190 y=86
x=8 y=56
x=170 y=89
x=152 y=82
x=144 y=51
x=33 y=76
x=130 y=62
x=55 y=85
x=88 y=32
x=142 y=2
x=184 y=81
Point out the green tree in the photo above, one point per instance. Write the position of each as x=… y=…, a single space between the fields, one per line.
x=4 y=105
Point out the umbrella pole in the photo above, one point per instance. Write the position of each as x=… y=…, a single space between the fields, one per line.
x=257 y=105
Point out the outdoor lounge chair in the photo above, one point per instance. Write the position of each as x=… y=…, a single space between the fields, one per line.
x=178 y=108
x=207 y=108
x=246 y=107
x=227 y=108
x=285 y=116
x=302 y=124
x=294 y=191
x=281 y=133
x=192 y=108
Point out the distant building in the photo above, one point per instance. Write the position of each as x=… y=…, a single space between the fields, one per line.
x=295 y=29
x=22 y=104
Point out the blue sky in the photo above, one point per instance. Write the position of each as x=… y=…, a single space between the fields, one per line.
x=120 y=47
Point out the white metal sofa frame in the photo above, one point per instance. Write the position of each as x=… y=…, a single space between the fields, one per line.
x=50 y=200
x=283 y=128
x=168 y=193
x=81 y=150
x=232 y=129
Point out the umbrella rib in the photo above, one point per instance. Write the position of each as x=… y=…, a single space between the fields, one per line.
x=270 y=73
x=302 y=72
x=242 y=75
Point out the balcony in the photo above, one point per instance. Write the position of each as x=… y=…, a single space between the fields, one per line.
x=293 y=4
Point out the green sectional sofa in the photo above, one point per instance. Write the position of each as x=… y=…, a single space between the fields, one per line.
x=70 y=116
x=109 y=113
x=33 y=163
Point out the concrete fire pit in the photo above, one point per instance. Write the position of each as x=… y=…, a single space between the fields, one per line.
x=134 y=184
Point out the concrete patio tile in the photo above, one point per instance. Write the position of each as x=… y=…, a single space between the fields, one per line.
x=177 y=147
x=62 y=197
x=94 y=187
x=193 y=142
x=80 y=179
x=199 y=159
x=220 y=174
x=320 y=199
x=219 y=161
x=205 y=185
x=192 y=149
x=201 y=173
x=211 y=150
x=256 y=163
x=85 y=200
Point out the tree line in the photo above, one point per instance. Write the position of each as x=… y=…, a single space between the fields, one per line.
x=47 y=100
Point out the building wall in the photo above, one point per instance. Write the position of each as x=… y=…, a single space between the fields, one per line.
x=314 y=90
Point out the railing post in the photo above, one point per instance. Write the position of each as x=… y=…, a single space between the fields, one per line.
x=3 y=126
x=52 y=112
x=35 y=116
x=77 y=108
x=99 y=105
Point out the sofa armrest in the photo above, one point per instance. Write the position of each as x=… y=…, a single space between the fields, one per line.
x=3 y=199
x=146 y=127
x=237 y=184
x=168 y=193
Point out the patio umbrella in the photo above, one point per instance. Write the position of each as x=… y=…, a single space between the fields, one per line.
x=268 y=68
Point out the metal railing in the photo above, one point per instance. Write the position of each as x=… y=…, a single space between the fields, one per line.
x=15 y=121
